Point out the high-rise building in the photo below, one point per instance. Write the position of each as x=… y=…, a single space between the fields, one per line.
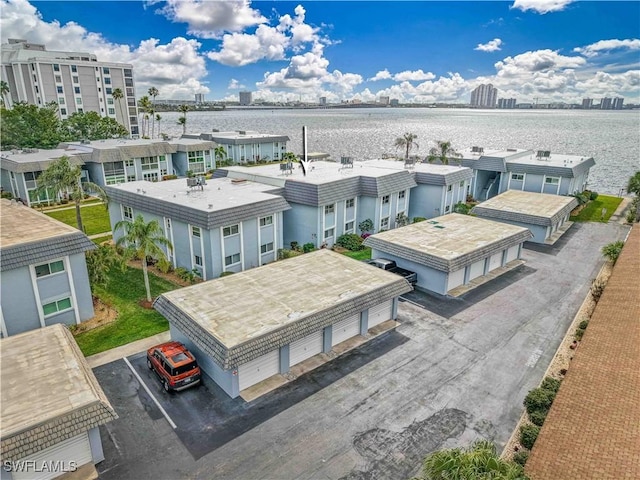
x=323 y=101
x=75 y=81
x=506 y=103
x=394 y=102
x=384 y=100
x=245 y=98
x=617 y=103
x=587 y=103
x=605 y=103
x=199 y=98
x=484 y=96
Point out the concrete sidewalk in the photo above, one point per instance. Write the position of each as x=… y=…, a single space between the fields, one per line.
x=126 y=350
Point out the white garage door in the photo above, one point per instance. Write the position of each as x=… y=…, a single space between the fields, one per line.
x=495 y=261
x=455 y=279
x=345 y=329
x=476 y=270
x=258 y=369
x=380 y=313
x=305 y=348
x=76 y=449
x=512 y=253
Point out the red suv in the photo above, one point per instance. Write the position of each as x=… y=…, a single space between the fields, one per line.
x=175 y=365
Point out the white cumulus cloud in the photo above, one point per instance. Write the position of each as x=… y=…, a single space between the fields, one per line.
x=491 y=46
x=381 y=75
x=541 y=6
x=536 y=61
x=413 y=76
x=608 y=45
x=235 y=85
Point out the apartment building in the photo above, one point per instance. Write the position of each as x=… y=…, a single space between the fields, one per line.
x=484 y=96
x=75 y=81
x=245 y=146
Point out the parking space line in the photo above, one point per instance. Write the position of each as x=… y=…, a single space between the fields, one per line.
x=166 y=415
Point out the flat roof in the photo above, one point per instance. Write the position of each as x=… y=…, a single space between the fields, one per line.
x=527 y=203
x=593 y=428
x=31 y=155
x=236 y=135
x=432 y=168
x=218 y=193
x=111 y=143
x=469 y=153
x=449 y=236
x=20 y=224
x=554 y=160
x=281 y=293
x=44 y=377
x=318 y=172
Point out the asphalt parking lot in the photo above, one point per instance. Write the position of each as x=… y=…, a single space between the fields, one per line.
x=451 y=373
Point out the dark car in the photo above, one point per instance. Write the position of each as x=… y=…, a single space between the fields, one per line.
x=175 y=365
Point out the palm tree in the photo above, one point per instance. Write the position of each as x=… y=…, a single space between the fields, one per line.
x=633 y=186
x=183 y=119
x=442 y=153
x=407 y=141
x=145 y=240
x=4 y=92
x=118 y=96
x=144 y=104
x=153 y=93
x=479 y=462
x=158 y=118
x=63 y=178
x=219 y=153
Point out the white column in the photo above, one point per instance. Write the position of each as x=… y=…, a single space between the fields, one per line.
x=74 y=300
x=36 y=294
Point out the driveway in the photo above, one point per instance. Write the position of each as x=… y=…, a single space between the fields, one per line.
x=446 y=377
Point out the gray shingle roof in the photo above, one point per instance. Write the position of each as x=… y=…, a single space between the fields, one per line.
x=569 y=171
x=443 y=179
x=120 y=153
x=231 y=358
x=36 y=165
x=41 y=251
x=494 y=164
x=498 y=214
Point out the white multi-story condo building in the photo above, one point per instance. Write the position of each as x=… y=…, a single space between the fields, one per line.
x=75 y=81
x=244 y=98
x=484 y=96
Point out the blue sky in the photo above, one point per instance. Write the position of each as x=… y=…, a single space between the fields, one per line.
x=418 y=52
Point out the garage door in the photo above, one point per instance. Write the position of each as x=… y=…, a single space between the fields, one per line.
x=380 y=313
x=512 y=253
x=495 y=261
x=476 y=270
x=455 y=279
x=345 y=329
x=76 y=449
x=305 y=348
x=259 y=369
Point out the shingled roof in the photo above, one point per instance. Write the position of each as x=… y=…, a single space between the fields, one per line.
x=49 y=393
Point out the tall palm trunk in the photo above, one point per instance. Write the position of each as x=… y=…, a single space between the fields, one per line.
x=78 y=215
x=146 y=278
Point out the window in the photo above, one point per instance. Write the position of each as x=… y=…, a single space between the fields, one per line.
x=80 y=110
x=149 y=163
x=49 y=268
x=385 y=200
x=109 y=101
x=107 y=81
x=449 y=188
x=348 y=227
x=107 y=90
x=384 y=223
x=105 y=70
x=58 y=79
x=264 y=221
x=76 y=89
x=56 y=67
x=112 y=111
x=79 y=100
x=129 y=163
x=63 y=111
x=232 y=259
x=266 y=248
x=350 y=203
x=196 y=161
x=74 y=69
x=150 y=177
x=197 y=259
x=131 y=178
x=59 y=89
x=231 y=230
x=127 y=213
x=447 y=209
x=329 y=209
x=328 y=233
x=76 y=80
x=61 y=101
x=517 y=176
x=195 y=231
x=552 y=180
x=401 y=195
x=57 y=306
x=462 y=184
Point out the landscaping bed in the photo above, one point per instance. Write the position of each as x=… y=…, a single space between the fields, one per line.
x=592 y=211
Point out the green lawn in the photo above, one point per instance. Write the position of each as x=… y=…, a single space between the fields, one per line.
x=360 y=254
x=99 y=240
x=123 y=293
x=95 y=218
x=593 y=211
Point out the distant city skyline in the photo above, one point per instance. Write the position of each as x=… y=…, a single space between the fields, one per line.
x=416 y=52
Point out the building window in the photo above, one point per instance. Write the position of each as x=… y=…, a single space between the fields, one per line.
x=350 y=203
x=462 y=184
x=131 y=178
x=79 y=100
x=76 y=80
x=74 y=69
x=49 y=268
x=57 y=306
x=149 y=163
x=232 y=259
x=266 y=248
x=127 y=213
x=517 y=176
x=449 y=188
x=329 y=209
x=197 y=259
x=328 y=233
x=230 y=230
x=63 y=111
x=58 y=79
x=264 y=221
x=80 y=110
x=195 y=231
x=56 y=67
x=348 y=227
x=385 y=200
x=552 y=180
x=109 y=101
x=196 y=161
x=76 y=90
x=129 y=163
x=107 y=81
x=107 y=91
x=401 y=195
x=112 y=111
x=105 y=70
x=61 y=101
x=150 y=177
x=384 y=223
x=59 y=89
x=447 y=209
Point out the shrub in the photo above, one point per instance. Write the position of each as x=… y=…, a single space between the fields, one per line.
x=6 y=194
x=612 y=250
x=593 y=195
x=365 y=225
x=528 y=435
x=226 y=274
x=538 y=399
x=308 y=247
x=537 y=418
x=182 y=273
x=597 y=288
x=350 y=241
x=285 y=253
x=462 y=208
x=579 y=334
x=418 y=219
x=521 y=457
x=169 y=177
x=294 y=245
x=164 y=265
x=630 y=218
x=550 y=384
x=583 y=324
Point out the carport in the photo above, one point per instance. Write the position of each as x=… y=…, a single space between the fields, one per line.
x=545 y=215
x=452 y=253
x=248 y=327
